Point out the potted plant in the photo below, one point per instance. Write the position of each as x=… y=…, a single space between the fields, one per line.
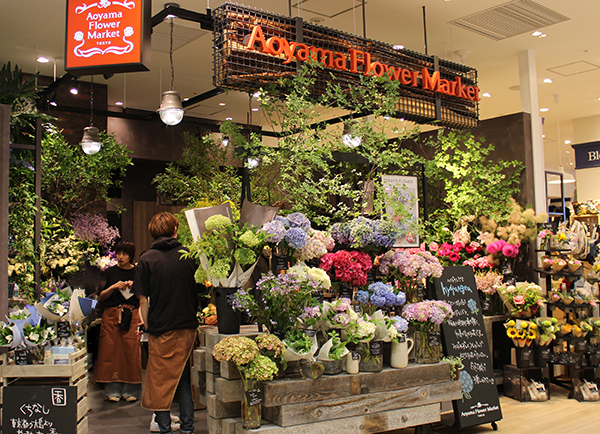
x=332 y=353
x=302 y=346
x=253 y=368
x=285 y=236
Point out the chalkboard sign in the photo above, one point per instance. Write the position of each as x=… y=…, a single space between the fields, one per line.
x=39 y=409
x=63 y=329
x=464 y=336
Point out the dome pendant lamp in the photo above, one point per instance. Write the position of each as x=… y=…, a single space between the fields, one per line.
x=171 y=110
x=91 y=142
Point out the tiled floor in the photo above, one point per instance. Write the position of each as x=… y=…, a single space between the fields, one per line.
x=124 y=417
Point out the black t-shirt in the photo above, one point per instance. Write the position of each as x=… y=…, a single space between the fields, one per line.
x=169 y=284
x=114 y=275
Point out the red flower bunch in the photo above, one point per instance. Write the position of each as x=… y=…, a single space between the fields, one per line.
x=451 y=254
x=349 y=267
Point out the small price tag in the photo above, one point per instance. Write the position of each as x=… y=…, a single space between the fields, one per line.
x=254 y=397
x=401 y=337
x=230 y=299
x=486 y=305
x=420 y=290
x=371 y=275
x=581 y=346
x=434 y=338
x=318 y=295
x=546 y=354
x=311 y=333
x=526 y=354
x=355 y=355
x=280 y=263
x=346 y=291
x=376 y=348
x=356 y=308
x=21 y=357
x=63 y=329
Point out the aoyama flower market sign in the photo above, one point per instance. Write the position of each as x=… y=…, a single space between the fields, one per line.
x=107 y=36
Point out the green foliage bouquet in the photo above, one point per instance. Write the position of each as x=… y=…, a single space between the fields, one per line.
x=227 y=251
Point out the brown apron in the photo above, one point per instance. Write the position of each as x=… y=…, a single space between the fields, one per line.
x=119 y=353
x=167 y=356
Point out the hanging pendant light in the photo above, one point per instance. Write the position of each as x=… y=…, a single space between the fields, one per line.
x=171 y=110
x=91 y=142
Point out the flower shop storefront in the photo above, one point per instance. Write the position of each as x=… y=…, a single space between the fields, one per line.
x=319 y=312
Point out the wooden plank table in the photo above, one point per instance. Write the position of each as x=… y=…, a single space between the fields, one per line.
x=368 y=402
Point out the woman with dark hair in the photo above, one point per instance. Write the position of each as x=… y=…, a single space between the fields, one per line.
x=119 y=363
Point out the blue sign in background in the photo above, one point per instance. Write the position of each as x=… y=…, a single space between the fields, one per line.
x=587 y=155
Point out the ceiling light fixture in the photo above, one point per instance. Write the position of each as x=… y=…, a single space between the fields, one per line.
x=398 y=47
x=119 y=103
x=543 y=35
x=221 y=104
x=537 y=33
x=91 y=142
x=548 y=80
x=486 y=94
x=567 y=142
x=544 y=109
x=75 y=89
x=171 y=111
x=228 y=119
x=43 y=59
x=255 y=109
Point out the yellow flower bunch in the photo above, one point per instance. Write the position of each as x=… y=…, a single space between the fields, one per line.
x=522 y=333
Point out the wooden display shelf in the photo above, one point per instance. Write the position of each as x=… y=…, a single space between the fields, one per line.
x=367 y=402
x=76 y=367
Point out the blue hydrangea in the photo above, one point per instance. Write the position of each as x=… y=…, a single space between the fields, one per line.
x=385 y=233
x=378 y=301
x=378 y=287
x=390 y=298
x=361 y=232
x=362 y=296
x=400 y=299
x=400 y=324
x=296 y=238
x=298 y=220
x=340 y=232
x=275 y=231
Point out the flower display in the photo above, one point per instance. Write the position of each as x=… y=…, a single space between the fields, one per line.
x=106 y=261
x=379 y=295
x=365 y=234
x=227 y=251
x=245 y=353
x=38 y=334
x=412 y=263
x=347 y=266
x=283 y=298
x=208 y=315
x=522 y=299
x=318 y=274
x=488 y=282
x=361 y=330
x=521 y=332
x=338 y=313
x=546 y=330
x=317 y=245
x=64 y=256
x=94 y=228
x=396 y=325
x=270 y=346
x=285 y=233
x=7 y=335
x=425 y=315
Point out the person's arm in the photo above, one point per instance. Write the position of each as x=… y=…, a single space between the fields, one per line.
x=117 y=286
x=144 y=309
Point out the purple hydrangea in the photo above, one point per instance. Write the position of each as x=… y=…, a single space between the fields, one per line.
x=296 y=238
x=275 y=231
x=361 y=232
x=378 y=301
x=298 y=220
x=340 y=233
x=400 y=298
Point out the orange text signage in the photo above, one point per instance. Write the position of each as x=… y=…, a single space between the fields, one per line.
x=106 y=35
x=359 y=62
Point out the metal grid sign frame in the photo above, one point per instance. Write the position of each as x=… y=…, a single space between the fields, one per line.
x=253 y=49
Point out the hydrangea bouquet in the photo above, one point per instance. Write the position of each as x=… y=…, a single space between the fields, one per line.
x=227 y=252
x=379 y=295
x=317 y=245
x=426 y=317
x=409 y=268
x=361 y=233
x=347 y=266
x=285 y=235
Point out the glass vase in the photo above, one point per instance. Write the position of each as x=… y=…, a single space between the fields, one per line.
x=371 y=356
x=427 y=345
x=251 y=404
x=311 y=369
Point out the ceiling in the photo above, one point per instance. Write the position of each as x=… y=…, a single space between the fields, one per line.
x=569 y=54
